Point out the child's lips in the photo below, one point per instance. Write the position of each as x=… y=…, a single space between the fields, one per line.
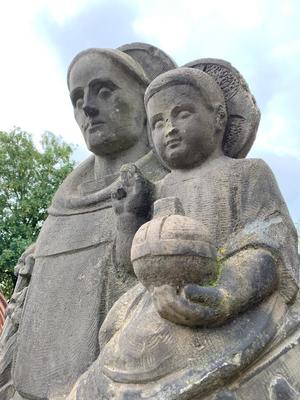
x=172 y=142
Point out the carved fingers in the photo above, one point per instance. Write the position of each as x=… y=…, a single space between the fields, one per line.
x=133 y=194
x=209 y=296
x=25 y=263
x=193 y=306
x=15 y=307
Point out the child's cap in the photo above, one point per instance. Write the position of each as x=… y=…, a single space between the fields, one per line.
x=209 y=90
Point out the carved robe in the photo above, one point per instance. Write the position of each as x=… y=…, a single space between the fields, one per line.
x=73 y=286
x=145 y=356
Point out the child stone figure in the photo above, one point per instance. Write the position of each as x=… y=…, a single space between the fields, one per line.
x=180 y=343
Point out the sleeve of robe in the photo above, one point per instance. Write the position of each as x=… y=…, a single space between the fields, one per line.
x=264 y=222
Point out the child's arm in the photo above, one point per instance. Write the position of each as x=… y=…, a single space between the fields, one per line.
x=132 y=205
x=245 y=279
x=263 y=258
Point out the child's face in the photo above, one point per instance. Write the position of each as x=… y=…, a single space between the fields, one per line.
x=183 y=128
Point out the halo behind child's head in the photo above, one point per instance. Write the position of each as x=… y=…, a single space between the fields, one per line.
x=243 y=114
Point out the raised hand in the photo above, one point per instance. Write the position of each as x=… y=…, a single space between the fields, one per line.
x=131 y=202
x=134 y=193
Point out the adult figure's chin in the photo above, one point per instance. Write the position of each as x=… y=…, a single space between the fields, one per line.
x=105 y=145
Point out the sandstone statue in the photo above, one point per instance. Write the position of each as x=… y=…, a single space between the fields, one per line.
x=71 y=280
x=215 y=314
x=145 y=284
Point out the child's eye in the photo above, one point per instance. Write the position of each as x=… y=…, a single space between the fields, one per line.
x=158 y=124
x=184 y=114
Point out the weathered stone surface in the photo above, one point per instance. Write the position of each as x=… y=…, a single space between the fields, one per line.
x=153 y=60
x=214 y=313
x=8 y=339
x=173 y=249
x=75 y=280
x=171 y=338
x=3 y=306
x=243 y=115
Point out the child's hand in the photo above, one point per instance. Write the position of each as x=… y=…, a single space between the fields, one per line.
x=194 y=306
x=134 y=193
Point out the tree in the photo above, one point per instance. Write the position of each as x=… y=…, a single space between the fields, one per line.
x=28 y=181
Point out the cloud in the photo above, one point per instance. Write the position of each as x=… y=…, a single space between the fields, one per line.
x=204 y=25
x=286 y=170
x=63 y=10
x=261 y=38
x=99 y=24
x=34 y=91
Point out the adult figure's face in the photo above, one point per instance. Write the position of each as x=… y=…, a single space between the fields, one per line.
x=108 y=104
x=183 y=126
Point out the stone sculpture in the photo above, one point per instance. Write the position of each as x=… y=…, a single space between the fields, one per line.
x=216 y=313
x=74 y=280
x=8 y=341
x=3 y=306
x=147 y=285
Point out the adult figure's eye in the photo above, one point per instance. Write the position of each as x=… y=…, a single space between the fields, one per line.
x=158 y=124
x=105 y=92
x=77 y=99
x=79 y=102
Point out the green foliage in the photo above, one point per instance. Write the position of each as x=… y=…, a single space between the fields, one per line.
x=28 y=180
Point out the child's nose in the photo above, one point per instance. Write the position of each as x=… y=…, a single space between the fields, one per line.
x=170 y=128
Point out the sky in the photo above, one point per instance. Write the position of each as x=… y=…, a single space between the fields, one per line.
x=261 y=38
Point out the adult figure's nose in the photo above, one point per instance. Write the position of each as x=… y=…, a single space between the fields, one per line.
x=89 y=107
x=90 y=111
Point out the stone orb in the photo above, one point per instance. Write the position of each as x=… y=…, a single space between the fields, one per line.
x=173 y=250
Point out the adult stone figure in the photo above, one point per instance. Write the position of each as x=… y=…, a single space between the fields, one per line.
x=75 y=281
x=199 y=317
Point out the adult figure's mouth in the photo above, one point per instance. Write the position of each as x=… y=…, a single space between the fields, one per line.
x=93 y=126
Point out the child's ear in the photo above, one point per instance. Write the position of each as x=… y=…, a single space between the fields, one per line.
x=221 y=118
